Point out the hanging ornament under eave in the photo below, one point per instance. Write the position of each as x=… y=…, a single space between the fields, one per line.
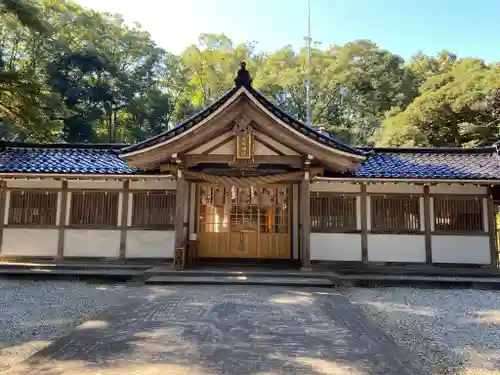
x=218 y=197
x=281 y=199
x=228 y=203
x=265 y=200
x=203 y=197
x=243 y=199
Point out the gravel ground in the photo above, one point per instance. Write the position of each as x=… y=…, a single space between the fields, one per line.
x=34 y=313
x=453 y=331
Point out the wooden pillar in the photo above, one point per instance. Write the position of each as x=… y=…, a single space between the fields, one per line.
x=3 y=187
x=179 y=209
x=124 y=219
x=305 y=212
x=427 y=224
x=492 y=229
x=63 y=207
x=364 y=224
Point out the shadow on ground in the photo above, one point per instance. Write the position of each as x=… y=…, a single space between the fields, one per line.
x=226 y=330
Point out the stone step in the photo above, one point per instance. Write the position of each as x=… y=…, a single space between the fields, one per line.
x=417 y=278
x=241 y=280
x=272 y=273
x=126 y=272
x=94 y=264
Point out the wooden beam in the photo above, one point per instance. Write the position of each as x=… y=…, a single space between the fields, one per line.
x=192 y=160
x=305 y=206
x=124 y=219
x=3 y=191
x=150 y=157
x=62 y=219
x=364 y=224
x=492 y=229
x=330 y=157
x=427 y=225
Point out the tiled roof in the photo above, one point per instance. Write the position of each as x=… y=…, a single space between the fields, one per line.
x=467 y=164
x=297 y=125
x=460 y=164
x=85 y=159
x=189 y=123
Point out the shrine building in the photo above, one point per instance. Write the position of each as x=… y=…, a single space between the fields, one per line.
x=242 y=180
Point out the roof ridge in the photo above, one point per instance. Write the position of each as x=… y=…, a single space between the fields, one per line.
x=431 y=150
x=346 y=147
x=62 y=146
x=221 y=100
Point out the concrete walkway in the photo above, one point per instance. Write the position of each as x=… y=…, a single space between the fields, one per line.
x=226 y=330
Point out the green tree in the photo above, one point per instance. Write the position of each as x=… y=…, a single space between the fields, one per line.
x=457 y=107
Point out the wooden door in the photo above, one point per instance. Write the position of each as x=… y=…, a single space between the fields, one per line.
x=274 y=223
x=239 y=223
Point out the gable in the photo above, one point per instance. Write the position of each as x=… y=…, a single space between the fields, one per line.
x=275 y=134
x=225 y=145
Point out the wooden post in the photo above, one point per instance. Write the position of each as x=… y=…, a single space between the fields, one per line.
x=427 y=225
x=179 y=209
x=62 y=219
x=3 y=187
x=124 y=219
x=305 y=206
x=364 y=224
x=492 y=229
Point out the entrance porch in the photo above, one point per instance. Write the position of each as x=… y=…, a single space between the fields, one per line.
x=246 y=223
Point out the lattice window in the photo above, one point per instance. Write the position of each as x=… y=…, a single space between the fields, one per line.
x=94 y=208
x=154 y=209
x=333 y=213
x=33 y=208
x=395 y=214
x=458 y=214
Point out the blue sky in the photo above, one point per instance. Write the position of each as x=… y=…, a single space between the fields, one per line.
x=466 y=27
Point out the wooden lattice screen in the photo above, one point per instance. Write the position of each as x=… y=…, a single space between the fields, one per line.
x=333 y=213
x=464 y=214
x=154 y=209
x=94 y=208
x=32 y=208
x=395 y=214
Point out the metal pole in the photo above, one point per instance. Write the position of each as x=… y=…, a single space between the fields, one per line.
x=308 y=83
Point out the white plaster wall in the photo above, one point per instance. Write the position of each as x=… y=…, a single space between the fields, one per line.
x=391 y=188
x=335 y=187
x=95 y=184
x=160 y=184
x=405 y=248
x=336 y=246
x=150 y=244
x=461 y=249
x=46 y=183
x=92 y=243
x=457 y=189
x=29 y=242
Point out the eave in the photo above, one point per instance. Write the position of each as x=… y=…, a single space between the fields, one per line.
x=216 y=118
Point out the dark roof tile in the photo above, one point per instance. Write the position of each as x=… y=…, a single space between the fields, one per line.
x=296 y=124
x=460 y=164
x=25 y=159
